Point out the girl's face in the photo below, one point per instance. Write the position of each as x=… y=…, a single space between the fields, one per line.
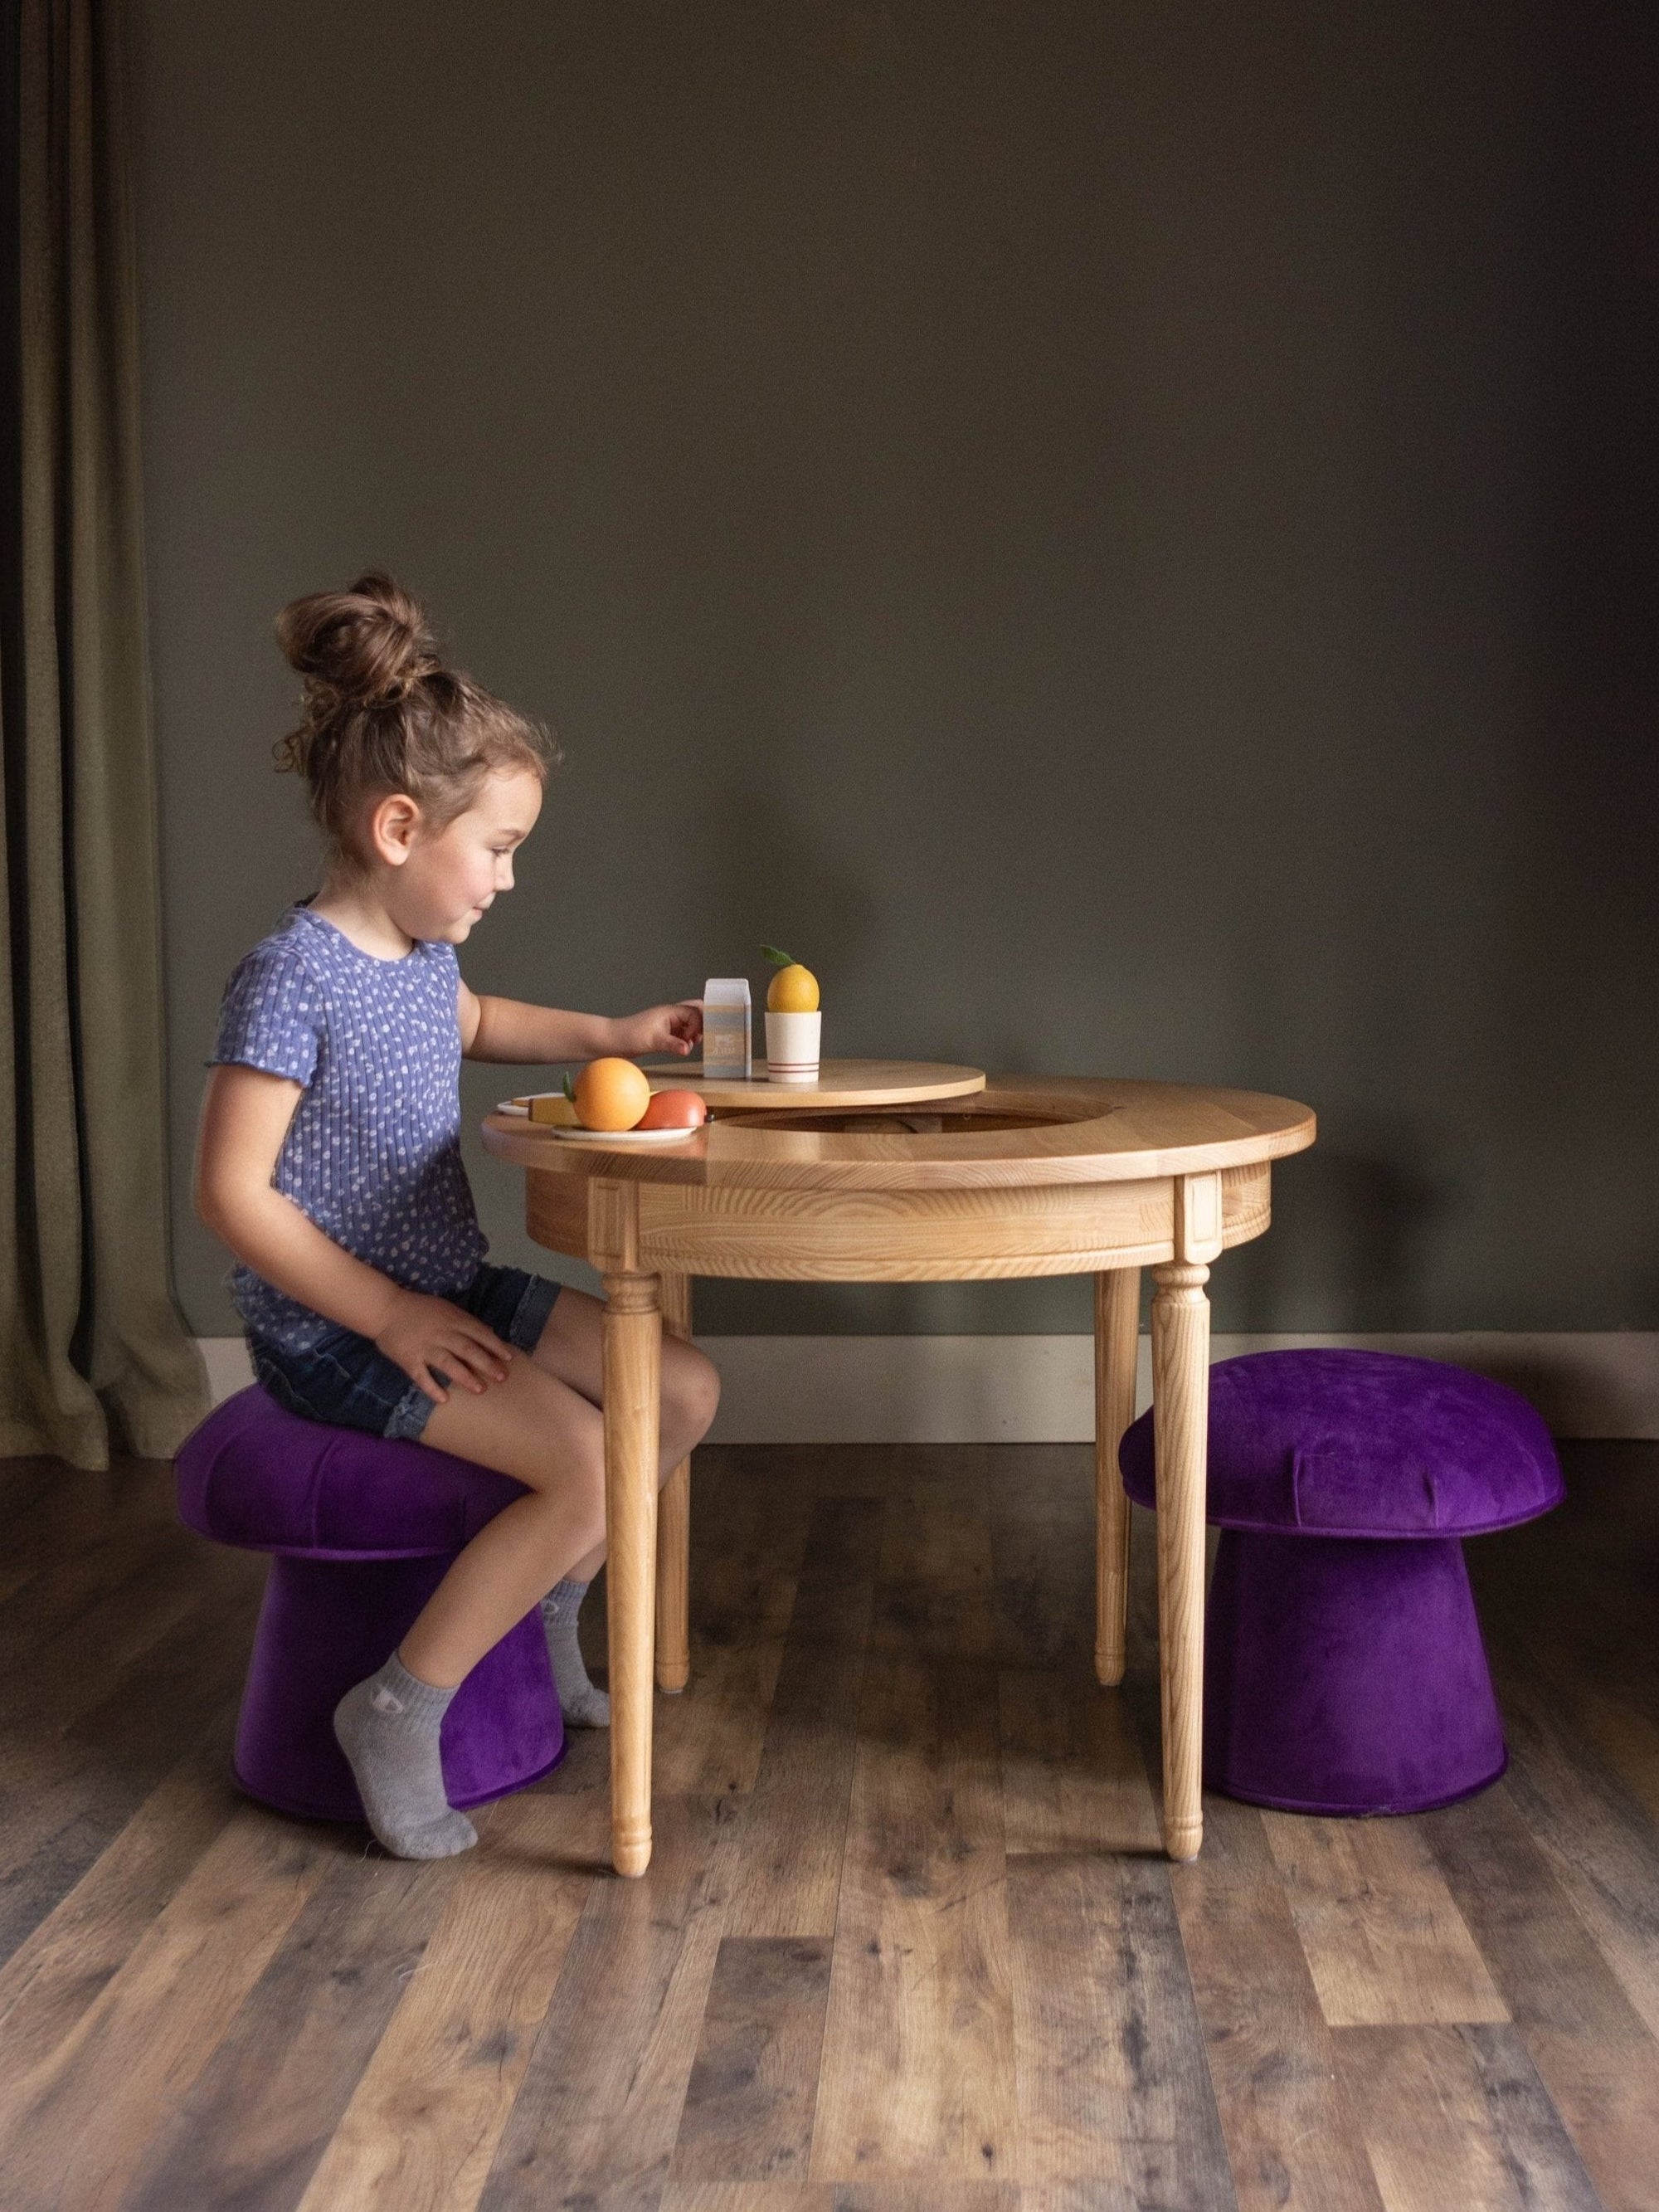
x=439 y=882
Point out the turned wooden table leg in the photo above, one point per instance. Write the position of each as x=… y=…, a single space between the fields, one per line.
x=674 y=1527
x=633 y=1363
x=1117 y=1335
x=1180 y=1419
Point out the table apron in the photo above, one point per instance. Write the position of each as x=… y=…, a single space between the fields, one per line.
x=892 y=1235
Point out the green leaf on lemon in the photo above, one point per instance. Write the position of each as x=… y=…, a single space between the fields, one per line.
x=568 y=1086
x=778 y=959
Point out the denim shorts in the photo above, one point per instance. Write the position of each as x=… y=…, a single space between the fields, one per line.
x=347 y=1380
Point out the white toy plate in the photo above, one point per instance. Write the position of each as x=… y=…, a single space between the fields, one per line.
x=521 y=1107
x=609 y=1137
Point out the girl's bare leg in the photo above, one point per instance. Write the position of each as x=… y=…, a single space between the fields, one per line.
x=572 y=1348
x=551 y=1438
x=543 y=1426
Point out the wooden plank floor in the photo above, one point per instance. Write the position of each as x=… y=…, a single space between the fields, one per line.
x=907 y=1944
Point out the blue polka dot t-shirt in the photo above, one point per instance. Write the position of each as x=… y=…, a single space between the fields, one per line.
x=372 y=1155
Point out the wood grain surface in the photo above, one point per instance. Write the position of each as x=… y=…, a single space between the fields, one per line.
x=632 y=1370
x=908 y=1943
x=1036 y=1177
x=674 y=1522
x=1384 y=1942
x=1181 y=1412
x=842 y=1084
x=919 y=2047
x=1016 y=1132
x=1117 y=1349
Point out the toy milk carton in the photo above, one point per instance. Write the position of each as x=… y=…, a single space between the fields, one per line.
x=728 y=1046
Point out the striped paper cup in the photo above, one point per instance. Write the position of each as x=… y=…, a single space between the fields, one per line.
x=792 y=1047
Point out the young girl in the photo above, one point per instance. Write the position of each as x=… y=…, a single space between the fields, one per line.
x=329 y=1163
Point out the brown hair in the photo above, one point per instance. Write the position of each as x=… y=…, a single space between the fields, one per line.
x=383 y=714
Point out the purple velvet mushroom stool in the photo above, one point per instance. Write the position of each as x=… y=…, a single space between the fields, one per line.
x=360 y=1530
x=1344 y=1670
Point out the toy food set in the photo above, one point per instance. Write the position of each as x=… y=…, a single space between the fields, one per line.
x=728 y=1046
x=793 y=1020
x=612 y=1101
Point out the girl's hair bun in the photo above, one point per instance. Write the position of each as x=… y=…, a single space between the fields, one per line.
x=366 y=646
x=381 y=713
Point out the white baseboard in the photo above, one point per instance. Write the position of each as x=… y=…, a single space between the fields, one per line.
x=1039 y=1389
x=228 y=1367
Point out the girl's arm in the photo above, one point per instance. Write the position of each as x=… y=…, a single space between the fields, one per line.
x=509 y=1030
x=245 y=1118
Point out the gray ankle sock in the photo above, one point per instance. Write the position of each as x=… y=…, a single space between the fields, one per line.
x=388 y=1726
x=582 y=1705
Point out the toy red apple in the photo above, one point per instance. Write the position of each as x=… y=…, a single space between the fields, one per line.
x=673 y=1109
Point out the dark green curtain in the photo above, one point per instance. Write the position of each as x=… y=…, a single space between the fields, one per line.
x=90 y=1339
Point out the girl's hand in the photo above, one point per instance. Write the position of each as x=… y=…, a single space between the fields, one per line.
x=673 y=1029
x=436 y=1344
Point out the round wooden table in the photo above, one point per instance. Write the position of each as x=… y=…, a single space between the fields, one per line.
x=1021 y=1176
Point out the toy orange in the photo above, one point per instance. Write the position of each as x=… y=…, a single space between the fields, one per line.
x=611 y=1095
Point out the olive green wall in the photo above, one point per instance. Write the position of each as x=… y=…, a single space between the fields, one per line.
x=1120 y=532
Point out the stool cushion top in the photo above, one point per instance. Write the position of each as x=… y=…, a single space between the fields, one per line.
x=1329 y=1442
x=254 y=1474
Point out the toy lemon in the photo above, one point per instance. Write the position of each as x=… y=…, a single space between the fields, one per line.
x=793 y=989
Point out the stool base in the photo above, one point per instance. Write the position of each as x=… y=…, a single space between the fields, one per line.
x=325 y=1624
x=1347 y=1676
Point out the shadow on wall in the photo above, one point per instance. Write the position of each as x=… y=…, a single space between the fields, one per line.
x=1583 y=910
x=771 y=878
x=1356 y=1228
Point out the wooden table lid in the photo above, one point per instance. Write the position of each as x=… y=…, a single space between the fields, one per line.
x=842 y=1084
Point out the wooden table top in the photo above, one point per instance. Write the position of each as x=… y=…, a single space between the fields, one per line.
x=1018 y=1130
